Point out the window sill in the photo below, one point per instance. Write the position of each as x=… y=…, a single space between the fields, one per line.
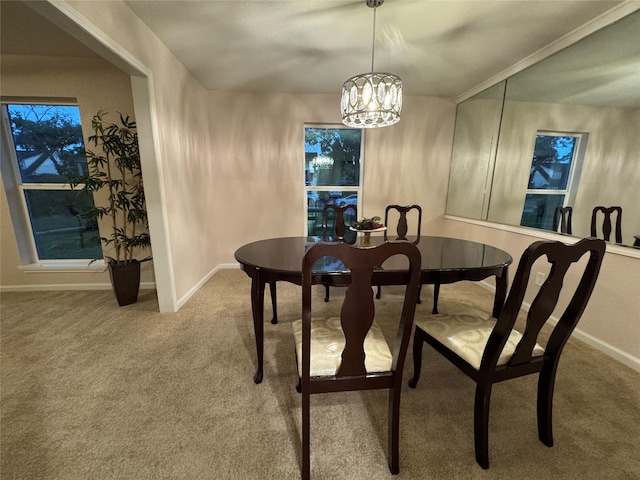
x=65 y=267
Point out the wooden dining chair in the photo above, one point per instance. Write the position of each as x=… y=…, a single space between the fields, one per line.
x=402 y=228
x=562 y=219
x=490 y=350
x=349 y=352
x=608 y=212
x=334 y=226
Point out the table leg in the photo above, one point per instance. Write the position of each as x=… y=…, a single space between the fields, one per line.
x=257 y=308
x=501 y=292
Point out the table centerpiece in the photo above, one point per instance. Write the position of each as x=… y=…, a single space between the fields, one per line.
x=367 y=226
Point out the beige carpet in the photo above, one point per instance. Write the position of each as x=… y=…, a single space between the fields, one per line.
x=94 y=391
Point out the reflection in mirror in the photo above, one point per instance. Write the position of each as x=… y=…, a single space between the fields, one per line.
x=474 y=143
x=568 y=136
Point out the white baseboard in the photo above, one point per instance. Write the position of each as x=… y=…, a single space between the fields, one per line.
x=613 y=352
x=53 y=287
x=185 y=298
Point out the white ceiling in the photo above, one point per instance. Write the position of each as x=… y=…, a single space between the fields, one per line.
x=438 y=47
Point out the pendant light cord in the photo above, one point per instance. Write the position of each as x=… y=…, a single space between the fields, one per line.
x=373 y=41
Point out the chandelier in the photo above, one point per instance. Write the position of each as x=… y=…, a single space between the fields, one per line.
x=322 y=162
x=371 y=100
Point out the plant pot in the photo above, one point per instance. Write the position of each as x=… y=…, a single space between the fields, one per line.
x=125 y=280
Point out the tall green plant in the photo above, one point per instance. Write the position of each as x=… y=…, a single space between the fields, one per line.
x=116 y=167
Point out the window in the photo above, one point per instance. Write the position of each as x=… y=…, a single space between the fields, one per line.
x=552 y=177
x=42 y=148
x=332 y=171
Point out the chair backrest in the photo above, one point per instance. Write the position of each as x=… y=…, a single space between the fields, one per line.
x=606 y=224
x=357 y=313
x=339 y=225
x=562 y=219
x=402 y=227
x=561 y=257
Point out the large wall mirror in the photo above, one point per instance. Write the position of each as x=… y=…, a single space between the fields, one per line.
x=563 y=132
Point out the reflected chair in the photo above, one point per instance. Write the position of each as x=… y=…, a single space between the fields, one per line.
x=402 y=229
x=562 y=219
x=490 y=350
x=349 y=352
x=336 y=227
x=606 y=224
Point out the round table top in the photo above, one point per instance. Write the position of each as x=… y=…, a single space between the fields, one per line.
x=441 y=254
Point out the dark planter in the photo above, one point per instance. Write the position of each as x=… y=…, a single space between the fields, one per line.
x=125 y=279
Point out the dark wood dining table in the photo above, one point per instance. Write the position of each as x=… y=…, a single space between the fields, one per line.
x=444 y=261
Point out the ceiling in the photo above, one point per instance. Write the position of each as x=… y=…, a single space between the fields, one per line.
x=438 y=47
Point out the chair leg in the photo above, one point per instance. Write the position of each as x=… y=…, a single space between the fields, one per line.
x=546 y=382
x=272 y=289
x=379 y=292
x=419 y=292
x=436 y=294
x=326 y=295
x=394 y=429
x=306 y=454
x=481 y=424
x=418 y=341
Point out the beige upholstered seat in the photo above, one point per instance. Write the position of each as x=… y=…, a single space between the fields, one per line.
x=327 y=344
x=467 y=334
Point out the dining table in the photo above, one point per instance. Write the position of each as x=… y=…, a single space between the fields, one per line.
x=444 y=261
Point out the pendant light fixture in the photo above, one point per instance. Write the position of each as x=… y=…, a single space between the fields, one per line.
x=371 y=100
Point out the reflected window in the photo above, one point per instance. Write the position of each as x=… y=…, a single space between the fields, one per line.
x=552 y=177
x=332 y=171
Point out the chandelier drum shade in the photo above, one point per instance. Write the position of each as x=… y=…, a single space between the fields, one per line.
x=371 y=100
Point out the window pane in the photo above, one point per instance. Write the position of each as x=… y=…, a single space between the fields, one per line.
x=48 y=142
x=316 y=200
x=332 y=156
x=58 y=231
x=539 y=209
x=551 y=163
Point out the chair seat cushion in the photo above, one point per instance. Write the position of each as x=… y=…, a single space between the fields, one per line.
x=327 y=344
x=467 y=334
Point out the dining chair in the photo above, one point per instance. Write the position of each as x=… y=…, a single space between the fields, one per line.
x=335 y=225
x=490 y=350
x=349 y=352
x=562 y=219
x=606 y=223
x=402 y=229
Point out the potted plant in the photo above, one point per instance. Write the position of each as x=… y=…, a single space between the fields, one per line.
x=115 y=167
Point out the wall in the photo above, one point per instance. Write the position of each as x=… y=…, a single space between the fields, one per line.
x=221 y=174
x=610 y=321
x=95 y=84
x=258 y=162
x=610 y=172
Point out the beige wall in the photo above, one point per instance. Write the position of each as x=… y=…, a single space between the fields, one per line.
x=610 y=321
x=258 y=164
x=95 y=84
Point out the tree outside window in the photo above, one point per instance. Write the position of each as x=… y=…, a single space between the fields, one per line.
x=46 y=149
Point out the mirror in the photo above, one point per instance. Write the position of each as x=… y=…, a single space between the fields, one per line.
x=565 y=131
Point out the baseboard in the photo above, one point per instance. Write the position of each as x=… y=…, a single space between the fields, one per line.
x=185 y=298
x=53 y=287
x=606 y=348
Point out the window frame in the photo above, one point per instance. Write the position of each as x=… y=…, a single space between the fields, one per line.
x=329 y=188
x=16 y=198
